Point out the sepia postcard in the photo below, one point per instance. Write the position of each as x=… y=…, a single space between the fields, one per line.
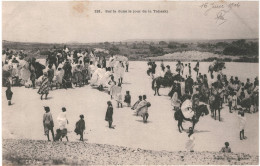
x=130 y=82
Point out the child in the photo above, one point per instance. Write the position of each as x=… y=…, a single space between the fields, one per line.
x=128 y=99
x=226 y=149
x=230 y=97
x=234 y=100
x=119 y=97
x=48 y=123
x=111 y=88
x=136 y=103
x=242 y=123
x=80 y=127
x=9 y=92
x=109 y=114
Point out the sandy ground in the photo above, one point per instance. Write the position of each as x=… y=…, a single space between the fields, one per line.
x=82 y=153
x=23 y=120
x=194 y=55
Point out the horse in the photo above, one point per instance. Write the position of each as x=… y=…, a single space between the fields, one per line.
x=166 y=82
x=215 y=105
x=217 y=66
x=199 y=111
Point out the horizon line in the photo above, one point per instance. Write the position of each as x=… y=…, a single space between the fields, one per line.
x=127 y=40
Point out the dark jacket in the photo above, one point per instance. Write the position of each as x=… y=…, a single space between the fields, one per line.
x=109 y=114
x=80 y=126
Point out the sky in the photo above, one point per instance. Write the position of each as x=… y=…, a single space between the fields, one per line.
x=62 y=22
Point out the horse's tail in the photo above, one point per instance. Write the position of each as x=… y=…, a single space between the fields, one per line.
x=153 y=83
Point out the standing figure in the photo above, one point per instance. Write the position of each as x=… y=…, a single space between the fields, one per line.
x=189 y=69
x=162 y=66
x=48 y=123
x=109 y=114
x=112 y=62
x=80 y=127
x=50 y=75
x=242 y=124
x=104 y=62
x=62 y=122
x=196 y=68
x=119 y=70
x=8 y=92
x=44 y=88
x=119 y=95
x=128 y=99
x=127 y=66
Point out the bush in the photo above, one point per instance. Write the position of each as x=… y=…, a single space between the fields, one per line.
x=156 y=50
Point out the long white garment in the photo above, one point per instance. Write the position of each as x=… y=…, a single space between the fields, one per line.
x=111 y=62
x=119 y=70
x=96 y=76
x=105 y=79
x=24 y=72
x=185 y=71
x=62 y=120
x=186 y=109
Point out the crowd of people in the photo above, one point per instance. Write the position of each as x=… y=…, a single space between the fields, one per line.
x=69 y=69
x=186 y=93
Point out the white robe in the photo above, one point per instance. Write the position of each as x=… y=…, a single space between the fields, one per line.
x=96 y=76
x=186 y=109
x=119 y=71
x=111 y=62
x=105 y=79
x=62 y=120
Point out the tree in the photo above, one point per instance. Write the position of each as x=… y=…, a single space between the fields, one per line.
x=156 y=50
x=172 y=45
x=162 y=43
x=114 y=50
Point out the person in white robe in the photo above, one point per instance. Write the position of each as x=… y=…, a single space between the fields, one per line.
x=111 y=62
x=97 y=75
x=175 y=101
x=119 y=71
x=186 y=109
x=62 y=119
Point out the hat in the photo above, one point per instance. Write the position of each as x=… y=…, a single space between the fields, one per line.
x=63 y=109
x=81 y=116
x=109 y=103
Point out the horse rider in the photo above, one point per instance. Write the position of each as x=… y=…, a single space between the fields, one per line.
x=168 y=73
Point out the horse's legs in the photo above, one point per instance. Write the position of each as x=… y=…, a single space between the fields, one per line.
x=158 y=91
x=219 y=114
x=179 y=125
x=193 y=125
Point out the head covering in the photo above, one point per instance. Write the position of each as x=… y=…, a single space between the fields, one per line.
x=81 y=116
x=63 y=109
x=226 y=143
x=109 y=103
x=47 y=109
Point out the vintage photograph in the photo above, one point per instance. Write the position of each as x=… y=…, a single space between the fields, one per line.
x=130 y=83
